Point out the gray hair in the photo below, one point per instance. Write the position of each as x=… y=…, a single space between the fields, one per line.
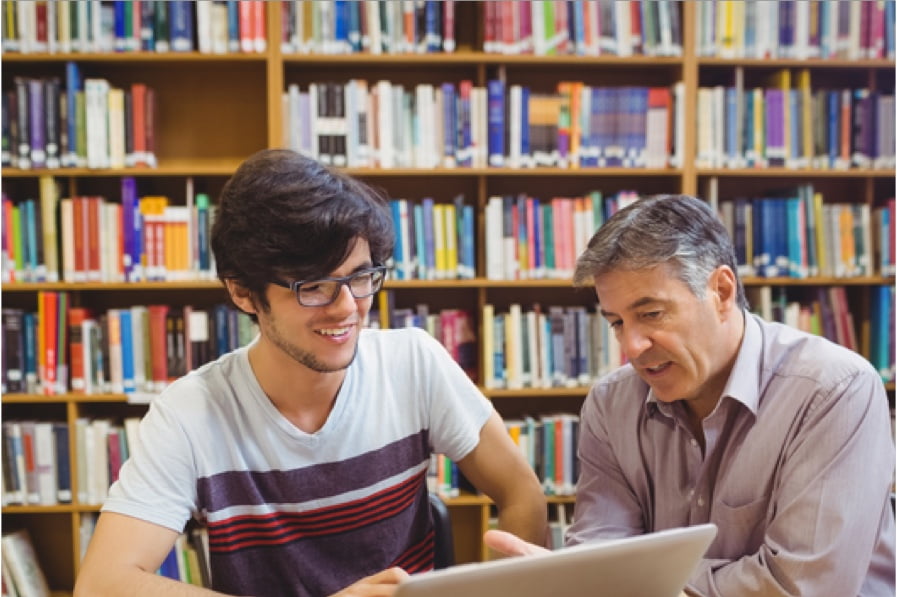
x=678 y=230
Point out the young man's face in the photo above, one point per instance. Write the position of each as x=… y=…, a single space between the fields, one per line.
x=323 y=339
x=673 y=339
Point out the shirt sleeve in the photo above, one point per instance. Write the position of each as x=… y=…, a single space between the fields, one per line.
x=158 y=481
x=606 y=507
x=842 y=455
x=458 y=410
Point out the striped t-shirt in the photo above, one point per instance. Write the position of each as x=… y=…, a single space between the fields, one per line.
x=293 y=513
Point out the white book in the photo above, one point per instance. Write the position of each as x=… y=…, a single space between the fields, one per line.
x=219 y=28
x=83 y=445
x=116 y=120
x=385 y=123
x=98 y=460
x=494 y=239
x=515 y=113
x=45 y=463
x=24 y=568
x=513 y=347
x=204 y=36
x=139 y=314
x=534 y=375
x=96 y=98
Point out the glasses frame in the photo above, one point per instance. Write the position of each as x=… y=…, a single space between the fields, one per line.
x=296 y=285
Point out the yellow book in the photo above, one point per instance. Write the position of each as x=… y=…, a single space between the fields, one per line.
x=806 y=115
x=49 y=198
x=450 y=220
x=439 y=242
x=487 y=343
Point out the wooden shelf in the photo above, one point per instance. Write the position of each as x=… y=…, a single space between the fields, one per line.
x=172 y=58
x=815 y=63
x=795 y=173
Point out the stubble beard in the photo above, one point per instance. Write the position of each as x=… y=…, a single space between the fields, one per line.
x=308 y=359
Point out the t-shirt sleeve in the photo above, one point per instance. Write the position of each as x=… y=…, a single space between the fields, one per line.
x=458 y=410
x=158 y=481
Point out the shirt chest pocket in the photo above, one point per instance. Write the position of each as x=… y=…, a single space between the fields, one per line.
x=742 y=526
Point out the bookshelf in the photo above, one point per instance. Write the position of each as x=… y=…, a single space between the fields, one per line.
x=215 y=110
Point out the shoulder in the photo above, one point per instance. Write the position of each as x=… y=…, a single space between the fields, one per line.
x=788 y=352
x=620 y=392
x=207 y=387
x=398 y=342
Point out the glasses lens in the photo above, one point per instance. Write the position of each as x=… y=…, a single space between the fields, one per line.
x=364 y=284
x=314 y=294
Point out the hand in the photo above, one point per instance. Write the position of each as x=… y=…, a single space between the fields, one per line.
x=511 y=545
x=382 y=584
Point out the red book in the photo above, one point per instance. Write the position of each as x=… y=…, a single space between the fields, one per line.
x=246 y=14
x=79 y=217
x=259 y=41
x=113 y=442
x=94 y=234
x=448 y=25
x=50 y=301
x=149 y=118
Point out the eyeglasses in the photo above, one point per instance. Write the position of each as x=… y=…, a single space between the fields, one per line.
x=320 y=293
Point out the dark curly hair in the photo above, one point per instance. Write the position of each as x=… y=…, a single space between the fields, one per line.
x=282 y=215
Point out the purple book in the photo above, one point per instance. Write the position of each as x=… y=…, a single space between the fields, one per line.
x=37 y=123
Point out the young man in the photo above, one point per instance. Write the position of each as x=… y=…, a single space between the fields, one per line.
x=305 y=453
x=780 y=438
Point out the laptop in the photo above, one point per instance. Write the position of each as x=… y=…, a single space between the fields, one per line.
x=653 y=565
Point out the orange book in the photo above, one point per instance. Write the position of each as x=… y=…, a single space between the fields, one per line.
x=94 y=237
x=80 y=219
x=158 y=347
x=138 y=123
x=246 y=15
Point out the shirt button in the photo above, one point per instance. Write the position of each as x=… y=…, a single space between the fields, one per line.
x=701 y=501
x=694 y=442
x=691 y=493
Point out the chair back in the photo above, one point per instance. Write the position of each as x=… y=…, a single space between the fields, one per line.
x=444 y=546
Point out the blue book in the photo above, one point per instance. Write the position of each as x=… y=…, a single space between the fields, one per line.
x=577 y=12
x=29 y=236
x=469 y=236
x=146 y=33
x=797 y=268
x=429 y=254
x=169 y=567
x=731 y=126
x=222 y=346
x=834 y=108
x=748 y=127
x=63 y=466
x=420 y=244
x=203 y=230
x=537 y=239
x=889 y=29
x=465 y=142
x=29 y=340
x=127 y=348
x=496 y=122
x=450 y=126
x=432 y=33
x=132 y=230
x=73 y=85
x=341 y=25
x=118 y=8
x=498 y=352
x=180 y=23
x=525 y=152
x=354 y=12
x=233 y=26
x=398 y=252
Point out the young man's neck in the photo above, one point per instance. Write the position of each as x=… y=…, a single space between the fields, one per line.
x=303 y=396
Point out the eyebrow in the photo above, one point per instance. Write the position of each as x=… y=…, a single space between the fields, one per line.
x=645 y=300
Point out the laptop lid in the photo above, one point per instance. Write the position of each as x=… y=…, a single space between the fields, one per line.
x=656 y=564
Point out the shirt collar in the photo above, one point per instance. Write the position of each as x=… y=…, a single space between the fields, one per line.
x=742 y=384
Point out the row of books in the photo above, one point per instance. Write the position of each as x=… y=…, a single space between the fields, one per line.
x=546 y=347
x=532 y=238
x=367 y=26
x=387 y=125
x=22 y=573
x=136 y=350
x=87 y=123
x=36 y=467
x=795 y=128
x=89 y=239
x=583 y=28
x=453 y=328
x=841 y=29
x=825 y=312
x=794 y=234
x=434 y=241
x=90 y=26
x=548 y=444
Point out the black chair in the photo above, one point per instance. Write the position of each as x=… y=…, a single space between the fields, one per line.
x=443 y=544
